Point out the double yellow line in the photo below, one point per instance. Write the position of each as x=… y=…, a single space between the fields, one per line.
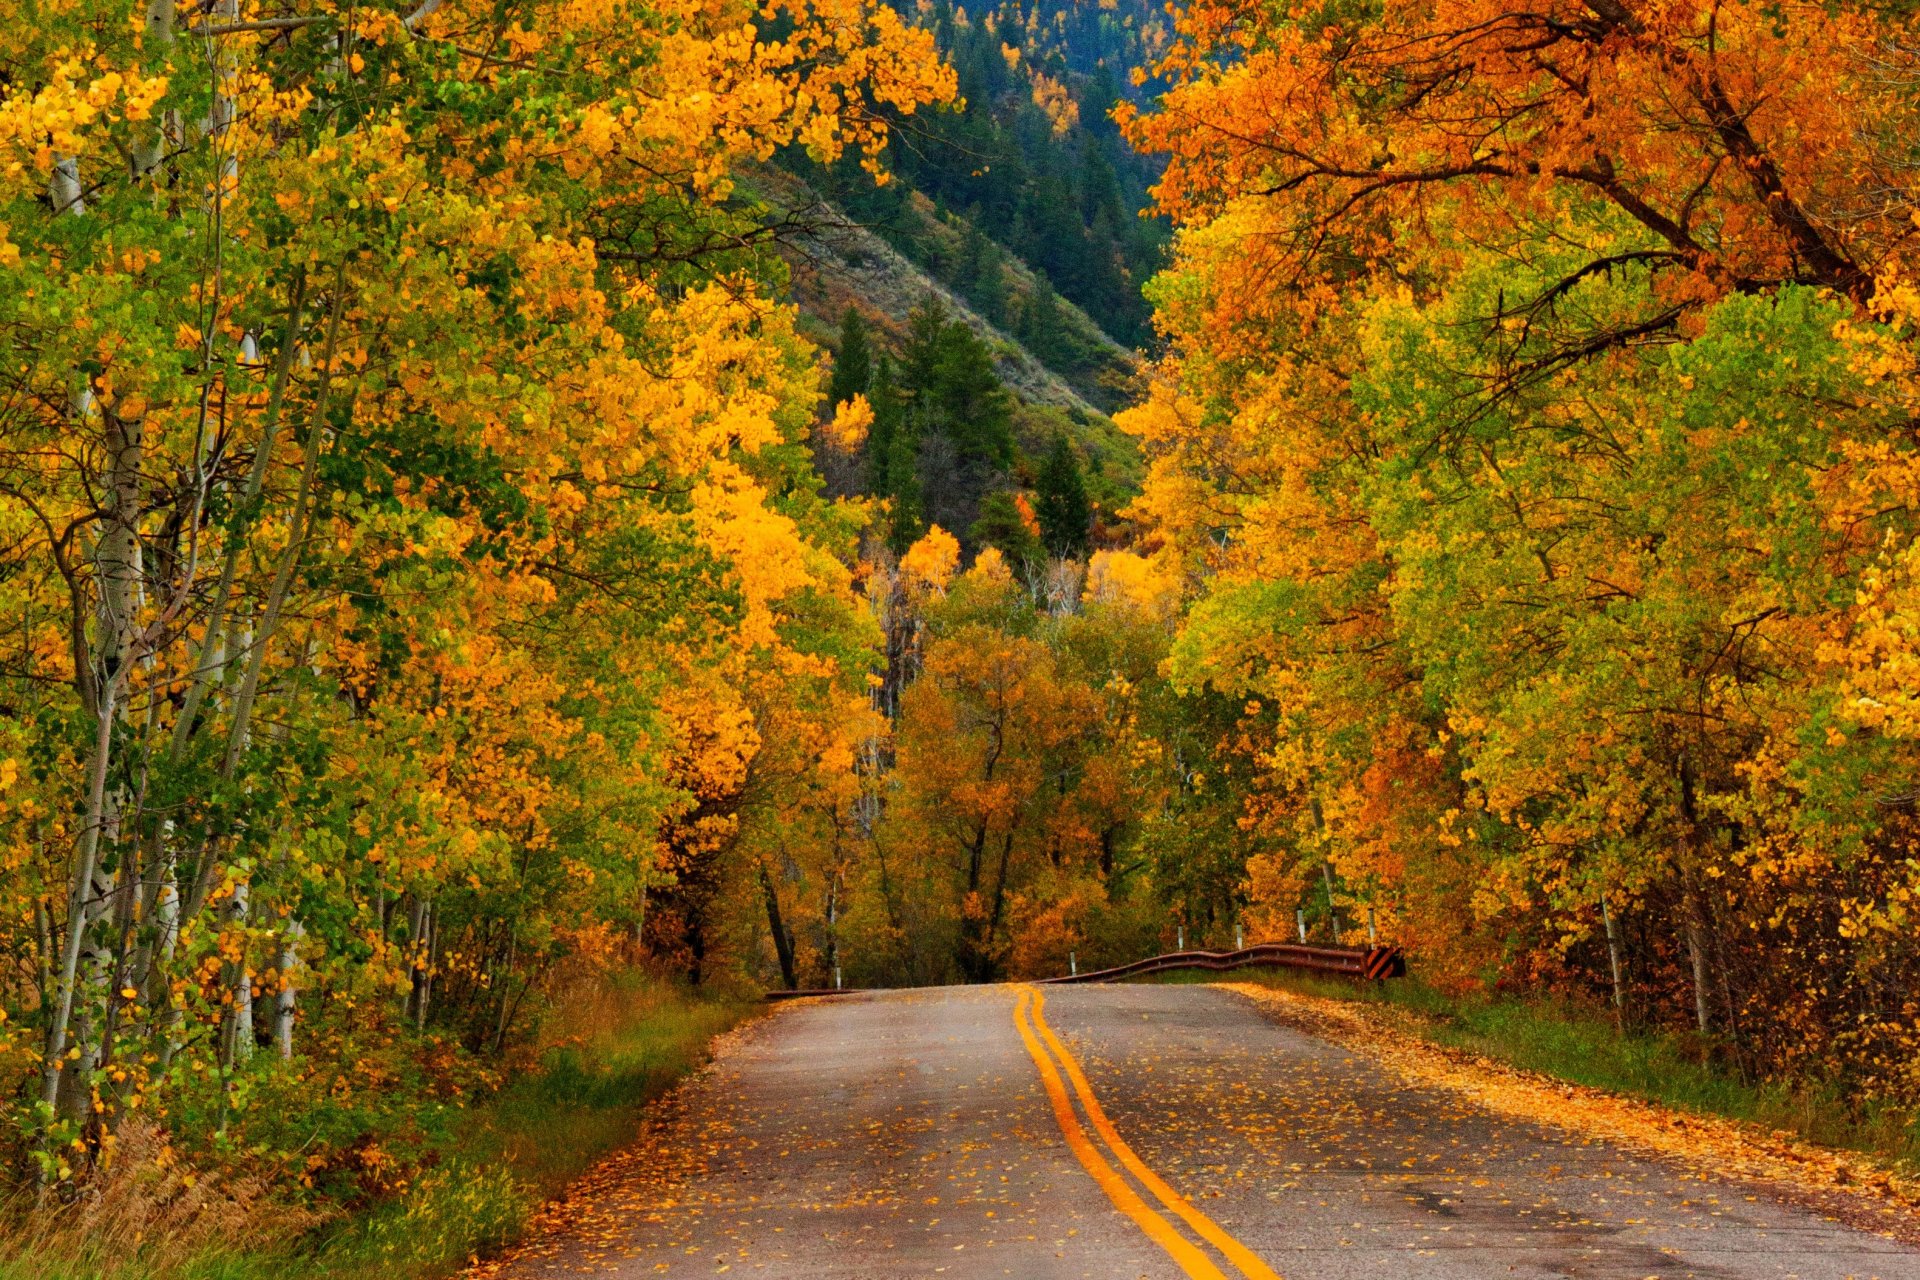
x=1046 y=1050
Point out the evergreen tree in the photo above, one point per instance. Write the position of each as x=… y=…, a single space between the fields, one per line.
x=978 y=273
x=948 y=374
x=853 y=364
x=1062 y=508
x=885 y=399
x=1003 y=525
x=1040 y=328
x=893 y=447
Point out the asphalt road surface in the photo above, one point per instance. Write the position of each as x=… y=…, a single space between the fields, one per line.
x=949 y=1132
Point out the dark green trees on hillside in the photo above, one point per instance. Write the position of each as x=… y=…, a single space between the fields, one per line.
x=948 y=375
x=853 y=365
x=1065 y=198
x=1062 y=505
x=893 y=463
x=1003 y=526
x=942 y=451
x=942 y=436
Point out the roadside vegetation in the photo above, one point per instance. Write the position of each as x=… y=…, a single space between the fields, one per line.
x=455 y=1177
x=1579 y=1042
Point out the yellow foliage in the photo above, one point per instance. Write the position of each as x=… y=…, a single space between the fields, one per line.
x=929 y=563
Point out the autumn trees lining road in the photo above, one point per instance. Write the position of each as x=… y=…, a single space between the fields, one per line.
x=419 y=591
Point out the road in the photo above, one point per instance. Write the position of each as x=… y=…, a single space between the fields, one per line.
x=949 y=1132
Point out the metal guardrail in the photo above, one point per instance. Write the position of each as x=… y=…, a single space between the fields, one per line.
x=1369 y=964
x=1366 y=963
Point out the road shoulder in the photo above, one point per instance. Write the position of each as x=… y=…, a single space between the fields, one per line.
x=1842 y=1186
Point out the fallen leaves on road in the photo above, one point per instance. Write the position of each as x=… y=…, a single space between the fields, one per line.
x=1846 y=1185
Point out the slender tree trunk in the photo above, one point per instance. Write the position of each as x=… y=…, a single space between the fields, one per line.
x=503 y=1016
x=296 y=538
x=833 y=905
x=1333 y=912
x=117 y=570
x=782 y=941
x=166 y=1012
x=1693 y=913
x=417 y=964
x=1613 y=959
x=288 y=995
x=159 y=35
x=212 y=659
x=239 y=1043
x=427 y=974
x=1694 y=919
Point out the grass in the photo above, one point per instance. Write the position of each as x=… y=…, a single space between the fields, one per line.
x=1581 y=1045
x=625 y=1047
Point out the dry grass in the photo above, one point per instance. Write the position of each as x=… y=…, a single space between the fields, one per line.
x=618 y=1044
x=147 y=1203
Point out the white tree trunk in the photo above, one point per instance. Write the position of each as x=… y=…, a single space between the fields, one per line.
x=117 y=585
x=240 y=1013
x=64 y=189
x=284 y=1002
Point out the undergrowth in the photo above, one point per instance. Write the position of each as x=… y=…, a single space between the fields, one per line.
x=486 y=1170
x=1582 y=1045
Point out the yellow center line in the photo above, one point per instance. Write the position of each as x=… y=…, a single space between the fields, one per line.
x=1245 y=1259
x=1192 y=1261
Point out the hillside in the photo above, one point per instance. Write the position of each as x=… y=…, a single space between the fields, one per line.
x=1017 y=215
x=842 y=263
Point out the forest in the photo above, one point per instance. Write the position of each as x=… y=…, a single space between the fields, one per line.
x=442 y=570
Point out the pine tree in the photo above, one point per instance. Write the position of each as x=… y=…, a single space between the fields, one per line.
x=1003 y=525
x=1063 y=510
x=979 y=276
x=885 y=399
x=1040 y=329
x=853 y=365
x=948 y=375
x=893 y=447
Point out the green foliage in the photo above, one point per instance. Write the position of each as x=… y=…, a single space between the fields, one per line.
x=852 y=361
x=1061 y=505
x=893 y=452
x=479 y=1165
x=1003 y=525
x=947 y=374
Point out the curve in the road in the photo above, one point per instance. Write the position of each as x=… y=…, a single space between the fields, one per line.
x=1029 y=1017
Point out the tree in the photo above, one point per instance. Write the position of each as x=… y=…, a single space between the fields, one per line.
x=1510 y=359
x=853 y=362
x=1042 y=329
x=961 y=415
x=393 y=524
x=1007 y=525
x=981 y=733
x=1062 y=508
x=893 y=454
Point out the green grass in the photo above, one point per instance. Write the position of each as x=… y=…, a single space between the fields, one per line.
x=503 y=1160
x=1582 y=1045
